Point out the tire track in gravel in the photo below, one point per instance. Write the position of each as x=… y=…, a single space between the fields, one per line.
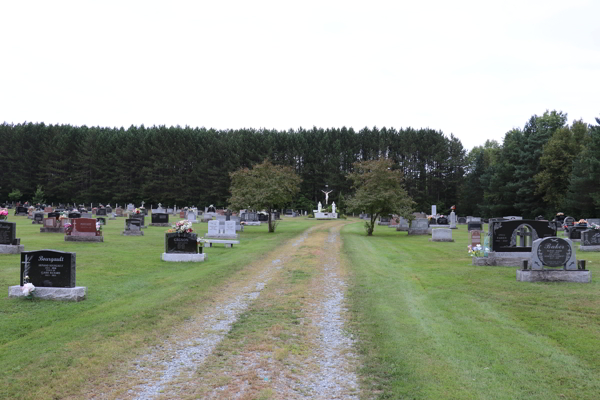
x=160 y=372
x=307 y=358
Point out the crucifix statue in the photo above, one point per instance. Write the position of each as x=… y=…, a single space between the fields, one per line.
x=26 y=266
x=326 y=195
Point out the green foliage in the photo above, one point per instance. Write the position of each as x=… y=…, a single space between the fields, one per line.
x=15 y=195
x=379 y=191
x=556 y=165
x=583 y=195
x=265 y=186
x=38 y=197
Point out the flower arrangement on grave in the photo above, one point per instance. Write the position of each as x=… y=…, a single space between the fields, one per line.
x=476 y=251
x=28 y=288
x=3 y=214
x=183 y=226
x=98 y=227
x=68 y=228
x=137 y=211
x=581 y=222
x=201 y=241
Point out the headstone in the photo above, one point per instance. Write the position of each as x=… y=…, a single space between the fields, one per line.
x=130 y=207
x=434 y=210
x=569 y=221
x=229 y=228
x=53 y=275
x=474 y=226
x=160 y=219
x=453 y=220
x=518 y=235
x=133 y=227
x=21 y=211
x=475 y=237
x=181 y=243
x=9 y=244
x=38 y=218
x=462 y=220
x=52 y=225
x=101 y=212
x=48 y=268
x=419 y=226
x=441 y=235
x=213 y=228
x=442 y=221
x=84 y=230
x=590 y=240
x=73 y=215
x=54 y=215
x=553 y=260
x=48 y=209
x=191 y=216
x=182 y=214
x=87 y=215
x=119 y=212
x=402 y=225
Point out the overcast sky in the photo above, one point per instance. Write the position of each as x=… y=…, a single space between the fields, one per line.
x=475 y=69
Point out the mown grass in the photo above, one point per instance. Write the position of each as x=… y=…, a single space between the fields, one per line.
x=50 y=350
x=432 y=326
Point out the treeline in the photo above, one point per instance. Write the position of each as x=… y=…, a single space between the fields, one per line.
x=544 y=168
x=191 y=166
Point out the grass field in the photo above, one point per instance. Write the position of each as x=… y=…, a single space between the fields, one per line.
x=429 y=324
x=432 y=326
x=50 y=349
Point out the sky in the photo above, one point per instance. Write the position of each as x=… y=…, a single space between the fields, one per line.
x=474 y=69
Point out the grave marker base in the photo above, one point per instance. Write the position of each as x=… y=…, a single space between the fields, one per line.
x=441 y=240
x=70 y=238
x=11 y=249
x=76 y=293
x=164 y=225
x=502 y=259
x=52 y=230
x=588 y=248
x=183 y=257
x=580 y=276
x=133 y=233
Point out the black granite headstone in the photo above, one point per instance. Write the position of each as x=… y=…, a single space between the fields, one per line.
x=54 y=215
x=442 y=221
x=21 y=210
x=591 y=237
x=508 y=235
x=8 y=232
x=38 y=218
x=133 y=224
x=160 y=218
x=462 y=220
x=48 y=268
x=74 y=215
x=263 y=217
x=181 y=243
x=554 y=253
x=100 y=212
x=474 y=226
x=575 y=231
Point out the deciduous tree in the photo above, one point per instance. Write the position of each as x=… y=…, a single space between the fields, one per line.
x=265 y=186
x=379 y=191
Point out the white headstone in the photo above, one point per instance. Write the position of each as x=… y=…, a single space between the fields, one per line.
x=213 y=227
x=434 y=210
x=230 y=227
x=191 y=216
x=130 y=207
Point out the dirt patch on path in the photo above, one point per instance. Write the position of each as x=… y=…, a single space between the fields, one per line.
x=276 y=331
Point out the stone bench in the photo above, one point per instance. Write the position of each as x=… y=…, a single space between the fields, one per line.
x=227 y=243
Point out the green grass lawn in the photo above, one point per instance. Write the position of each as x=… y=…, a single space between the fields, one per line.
x=51 y=349
x=432 y=326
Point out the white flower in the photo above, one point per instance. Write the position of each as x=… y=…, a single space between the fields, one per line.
x=28 y=288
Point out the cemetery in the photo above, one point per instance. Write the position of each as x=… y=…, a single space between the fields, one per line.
x=459 y=305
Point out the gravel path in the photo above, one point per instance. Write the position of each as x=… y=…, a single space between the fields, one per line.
x=174 y=369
